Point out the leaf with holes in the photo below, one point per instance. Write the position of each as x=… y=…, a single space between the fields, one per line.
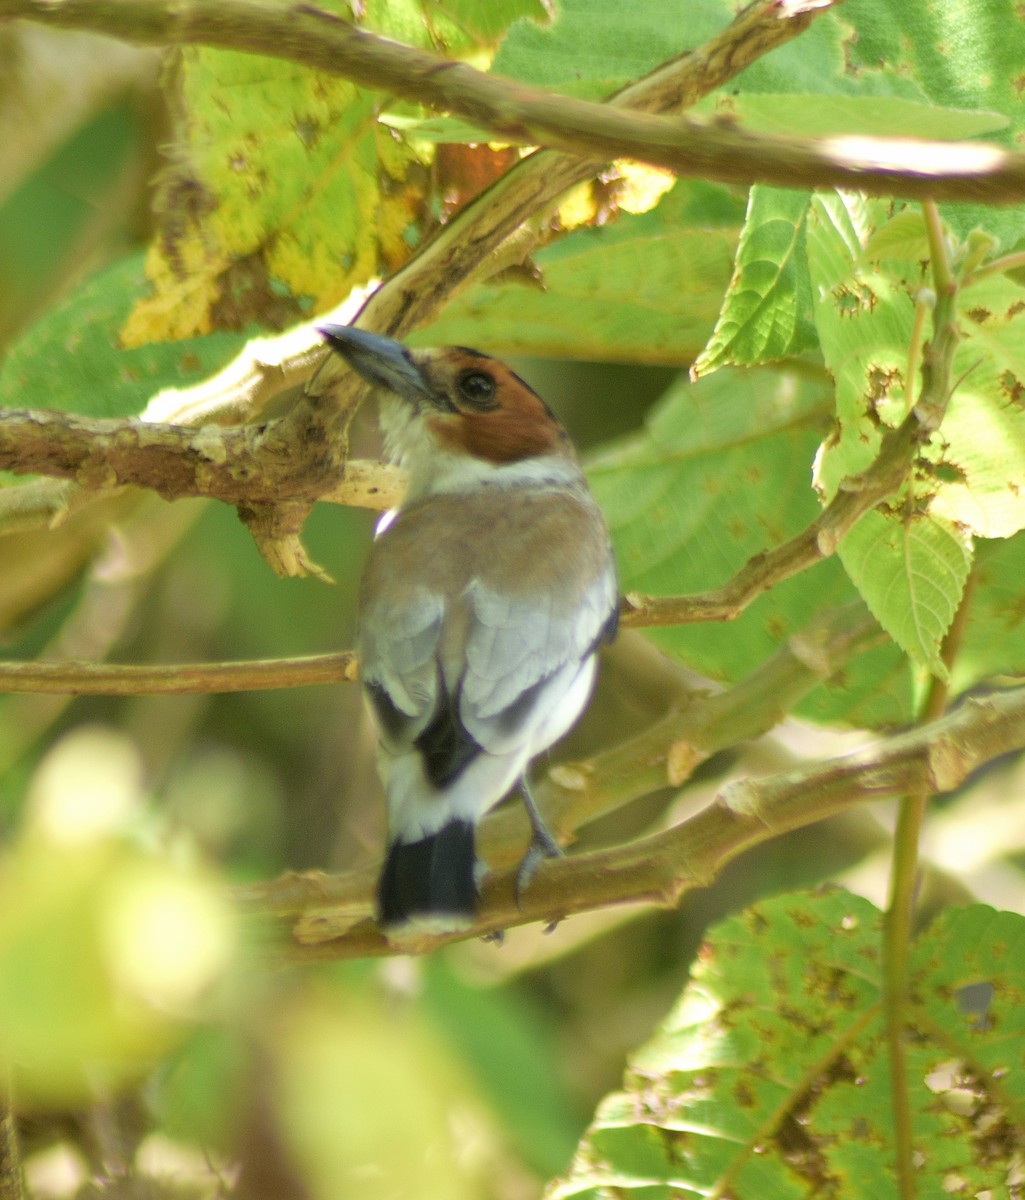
x=771 y=1076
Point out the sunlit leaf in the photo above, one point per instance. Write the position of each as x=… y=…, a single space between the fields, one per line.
x=981 y=455
x=818 y=115
x=911 y=572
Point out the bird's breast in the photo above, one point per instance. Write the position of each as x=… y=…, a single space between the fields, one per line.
x=551 y=544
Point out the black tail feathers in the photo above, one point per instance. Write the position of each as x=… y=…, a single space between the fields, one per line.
x=433 y=881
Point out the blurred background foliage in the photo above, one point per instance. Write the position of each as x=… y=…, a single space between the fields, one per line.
x=124 y=817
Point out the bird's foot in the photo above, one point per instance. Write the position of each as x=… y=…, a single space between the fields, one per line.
x=542 y=846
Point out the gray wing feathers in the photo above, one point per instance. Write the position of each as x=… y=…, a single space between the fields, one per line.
x=402 y=659
x=514 y=645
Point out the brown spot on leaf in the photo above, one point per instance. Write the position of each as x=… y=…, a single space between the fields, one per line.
x=1012 y=388
x=743 y=1096
x=883 y=382
x=852 y=300
x=978 y=314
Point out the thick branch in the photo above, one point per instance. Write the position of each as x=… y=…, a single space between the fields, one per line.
x=517 y=112
x=241 y=464
x=661 y=869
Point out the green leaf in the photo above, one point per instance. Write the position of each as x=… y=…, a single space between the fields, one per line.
x=70 y=359
x=913 y=42
x=622 y=293
x=721 y=472
x=593 y=47
x=877 y=690
x=771 y=1076
x=981 y=949
x=902 y=237
x=299 y=183
x=283 y=189
x=818 y=115
x=980 y=458
x=485 y=20
x=911 y=572
x=864 y=313
x=766 y=314
x=864 y=317
x=994 y=637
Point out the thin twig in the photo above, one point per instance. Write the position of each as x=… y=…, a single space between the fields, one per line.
x=179 y=679
x=856 y=496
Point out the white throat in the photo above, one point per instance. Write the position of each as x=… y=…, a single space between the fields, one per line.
x=433 y=470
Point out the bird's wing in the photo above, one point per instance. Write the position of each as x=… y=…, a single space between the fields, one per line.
x=491 y=647
x=399 y=637
x=524 y=653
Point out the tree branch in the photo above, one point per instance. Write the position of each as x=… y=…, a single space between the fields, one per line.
x=661 y=869
x=517 y=112
x=180 y=679
x=176 y=461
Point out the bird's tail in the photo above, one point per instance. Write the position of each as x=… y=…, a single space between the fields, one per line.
x=431 y=883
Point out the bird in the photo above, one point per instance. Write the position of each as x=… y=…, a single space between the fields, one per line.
x=483 y=602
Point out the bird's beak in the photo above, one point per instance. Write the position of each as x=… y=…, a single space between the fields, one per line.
x=380 y=360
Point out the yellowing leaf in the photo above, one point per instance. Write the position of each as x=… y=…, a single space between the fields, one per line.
x=183 y=295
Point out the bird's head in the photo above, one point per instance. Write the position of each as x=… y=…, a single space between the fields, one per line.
x=455 y=416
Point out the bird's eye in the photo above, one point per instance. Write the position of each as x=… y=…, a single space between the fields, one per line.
x=477 y=388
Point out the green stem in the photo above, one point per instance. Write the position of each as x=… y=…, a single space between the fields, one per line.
x=899 y=921
x=943 y=277
x=1007 y=262
x=12 y=1185
x=925 y=303
x=899 y=918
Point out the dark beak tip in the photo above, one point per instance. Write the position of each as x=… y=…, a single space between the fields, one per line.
x=332 y=333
